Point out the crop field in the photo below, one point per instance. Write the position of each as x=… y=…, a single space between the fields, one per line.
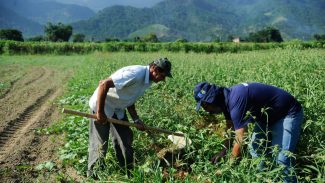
x=168 y=105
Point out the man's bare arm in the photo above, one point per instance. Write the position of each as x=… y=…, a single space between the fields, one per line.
x=236 y=150
x=133 y=112
x=103 y=88
x=135 y=117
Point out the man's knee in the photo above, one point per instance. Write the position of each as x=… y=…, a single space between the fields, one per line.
x=286 y=158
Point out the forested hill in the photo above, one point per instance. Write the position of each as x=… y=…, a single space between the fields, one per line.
x=205 y=20
x=10 y=19
x=41 y=12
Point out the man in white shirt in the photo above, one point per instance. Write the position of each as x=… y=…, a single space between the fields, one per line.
x=113 y=95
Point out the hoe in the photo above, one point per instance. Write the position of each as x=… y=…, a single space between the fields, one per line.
x=178 y=138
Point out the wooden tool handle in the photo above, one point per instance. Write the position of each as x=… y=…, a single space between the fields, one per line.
x=120 y=122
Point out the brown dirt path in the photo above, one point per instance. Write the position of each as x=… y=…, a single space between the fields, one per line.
x=28 y=105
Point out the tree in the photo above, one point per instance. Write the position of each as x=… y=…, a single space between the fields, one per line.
x=230 y=38
x=78 y=38
x=59 y=32
x=11 y=34
x=112 y=40
x=318 y=37
x=269 y=34
x=152 y=37
x=137 y=39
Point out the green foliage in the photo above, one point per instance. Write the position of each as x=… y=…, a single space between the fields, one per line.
x=11 y=34
x=266 y=35
x=48 y=165
x=112 y=40
x=319 y=37
x=12 y=47
x=152 y=38
x=46 y=11
x=78 y=38
x=207 y=20
x=300 y=72
x=159 y=30
x=58 y=32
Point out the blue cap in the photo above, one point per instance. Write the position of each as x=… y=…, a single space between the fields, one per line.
x=204 y=92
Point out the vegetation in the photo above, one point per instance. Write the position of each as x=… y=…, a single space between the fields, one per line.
x=291 y=69
x=298 y=71
x=319 y=37
x=152 y=38
x=10 y=19
x=12 y=47
x=41 y=12
x=58 y=32
x=78 y=38
x=207 y=20
x=266 y=35
x=11 y=34
x=37 y=38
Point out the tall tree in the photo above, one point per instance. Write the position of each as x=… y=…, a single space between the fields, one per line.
x=58 y=32
x=11 y=34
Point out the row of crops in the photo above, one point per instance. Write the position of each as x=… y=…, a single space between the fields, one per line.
x=170 y=105
x=13 y=47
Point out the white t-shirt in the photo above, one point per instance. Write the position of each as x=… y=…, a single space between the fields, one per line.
x=130 y=83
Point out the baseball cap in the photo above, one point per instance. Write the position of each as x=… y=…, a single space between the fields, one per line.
x=165 y=65
x=204 y=92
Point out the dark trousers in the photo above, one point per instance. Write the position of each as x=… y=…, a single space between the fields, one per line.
x=122 y=138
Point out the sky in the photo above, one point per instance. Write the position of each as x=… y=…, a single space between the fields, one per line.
x=101 y=4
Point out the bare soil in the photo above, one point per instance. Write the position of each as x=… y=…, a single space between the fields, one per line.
x=26 y=105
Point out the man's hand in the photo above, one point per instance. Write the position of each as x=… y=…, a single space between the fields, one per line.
x=101 y=118
x=216 y=158
x=140 y=124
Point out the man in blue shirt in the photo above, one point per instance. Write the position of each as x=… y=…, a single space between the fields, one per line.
x=277 y=116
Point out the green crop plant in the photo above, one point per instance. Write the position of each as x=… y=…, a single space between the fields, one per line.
x=171 y=105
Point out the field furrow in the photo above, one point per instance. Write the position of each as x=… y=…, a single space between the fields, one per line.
x=12 y=128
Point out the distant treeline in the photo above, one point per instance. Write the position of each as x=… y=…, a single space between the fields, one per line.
x=16 y=47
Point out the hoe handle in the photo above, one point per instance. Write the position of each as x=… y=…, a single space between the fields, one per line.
x=120 y=122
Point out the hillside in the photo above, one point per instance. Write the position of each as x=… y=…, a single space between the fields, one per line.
x=45 y=11
x=10 y=19
x=204 y=20
x=100 y=4
x=294 y=18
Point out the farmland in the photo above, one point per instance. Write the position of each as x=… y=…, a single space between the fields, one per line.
x=59 y=152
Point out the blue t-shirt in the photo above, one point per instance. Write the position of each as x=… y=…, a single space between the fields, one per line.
x=249 y=102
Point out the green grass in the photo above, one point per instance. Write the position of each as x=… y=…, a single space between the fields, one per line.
x=171 y=105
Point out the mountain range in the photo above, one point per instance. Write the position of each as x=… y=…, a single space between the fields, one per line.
x=194 y=20
x=206 y=20
x=30 y=16
x=100 y=4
